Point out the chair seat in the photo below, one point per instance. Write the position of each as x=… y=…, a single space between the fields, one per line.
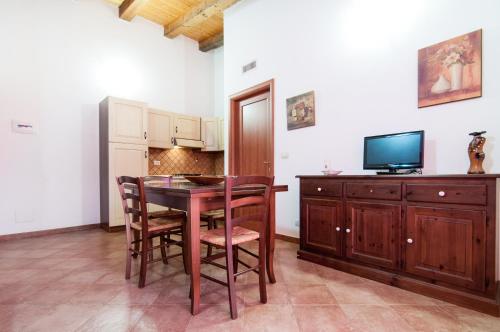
x=215 y=214
x=172 y=214
x=239 y=235
x=159 y=224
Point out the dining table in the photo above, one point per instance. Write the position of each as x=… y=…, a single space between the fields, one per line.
x=194 y=199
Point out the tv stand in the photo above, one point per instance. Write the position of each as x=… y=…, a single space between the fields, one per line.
x=393 y=171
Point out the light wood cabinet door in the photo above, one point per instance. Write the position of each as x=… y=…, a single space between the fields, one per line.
x=447 y=244
x=221 y=134
x=128 y=121
x=161 y=129
x=124 y=159
x=210 y=134
x=373 y=233
x=321 y=226
x=187 y=127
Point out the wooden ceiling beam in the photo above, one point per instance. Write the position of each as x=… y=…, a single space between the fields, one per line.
x=196 y=15
x=130 y=8
x=211 y=43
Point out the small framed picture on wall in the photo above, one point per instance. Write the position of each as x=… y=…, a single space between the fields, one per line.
x=300 y=111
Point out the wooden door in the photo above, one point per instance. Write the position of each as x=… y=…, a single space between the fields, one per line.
x=373 y=233
x=187 y=127
x=254 y=140
x=447 y=245
x=210 y=134
x=161 y=125
x=124 y=159
x=128 y=121
x=321 y=226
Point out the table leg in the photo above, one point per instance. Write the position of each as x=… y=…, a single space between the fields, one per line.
x=193 y=230
x=271 y=231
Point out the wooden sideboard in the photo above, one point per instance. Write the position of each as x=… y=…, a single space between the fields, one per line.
x=433 y=235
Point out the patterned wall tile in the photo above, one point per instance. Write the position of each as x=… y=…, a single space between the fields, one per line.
x=174 y=161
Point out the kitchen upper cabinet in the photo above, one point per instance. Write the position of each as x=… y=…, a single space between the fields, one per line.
x=124 y=159
x=321 y=226
x=187 y=127
x=221 y=134
x=127 y=120
x=372 y=233
x=447 y=244
x=210 y=134
x=161 y=129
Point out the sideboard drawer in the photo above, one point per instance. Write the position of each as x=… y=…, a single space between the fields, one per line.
x=321 y=188
x=447 y=193
x=391 y=191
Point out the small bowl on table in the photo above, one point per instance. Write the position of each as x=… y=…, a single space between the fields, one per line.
x=205 y=180
x=331 y=172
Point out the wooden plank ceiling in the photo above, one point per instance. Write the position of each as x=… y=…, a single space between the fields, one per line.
x=201 y=20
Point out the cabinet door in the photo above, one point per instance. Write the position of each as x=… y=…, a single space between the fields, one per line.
x=124 y=159
x=128 y=121
x=447 y=245
x=321 y=226
x=209 y=134
x=373 y=233
x=161 y=125
x=221 y=134
x=187 y=127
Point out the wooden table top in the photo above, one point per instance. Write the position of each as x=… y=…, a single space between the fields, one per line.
x=189 y=189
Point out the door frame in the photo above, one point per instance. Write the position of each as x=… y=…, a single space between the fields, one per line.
x=234 y=123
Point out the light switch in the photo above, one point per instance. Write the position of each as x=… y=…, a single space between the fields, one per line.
x=284 y=155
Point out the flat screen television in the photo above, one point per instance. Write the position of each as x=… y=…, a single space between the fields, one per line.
x=394 y=151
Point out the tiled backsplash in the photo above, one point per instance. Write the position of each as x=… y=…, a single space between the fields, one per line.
x=174 y=161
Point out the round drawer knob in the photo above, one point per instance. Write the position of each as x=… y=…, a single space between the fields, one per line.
x=337 y=229
x=319 y=189
x=347 y=230
x=441 y=193
x=410 y=241
x=371 y=190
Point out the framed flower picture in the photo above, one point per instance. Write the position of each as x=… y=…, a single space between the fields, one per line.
x=450 y=70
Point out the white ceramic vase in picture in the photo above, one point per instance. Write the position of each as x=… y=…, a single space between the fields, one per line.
x=441 y=85
x=456 y=75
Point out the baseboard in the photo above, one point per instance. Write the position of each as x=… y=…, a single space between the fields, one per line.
x=112 y=229
x=25 y=235
x=287 y=238
x=474 y=302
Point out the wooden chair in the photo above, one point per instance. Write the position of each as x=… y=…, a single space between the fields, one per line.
x=136 y=219
x=232 y=235
x=211 y=218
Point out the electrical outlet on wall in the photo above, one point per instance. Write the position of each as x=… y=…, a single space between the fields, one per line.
x=297 y=223
x=156 y=162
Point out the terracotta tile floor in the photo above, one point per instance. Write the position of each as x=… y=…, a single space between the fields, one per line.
x=75 y=282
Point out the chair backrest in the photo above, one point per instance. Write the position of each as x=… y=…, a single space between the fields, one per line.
x=133 y=200
x=247 y=191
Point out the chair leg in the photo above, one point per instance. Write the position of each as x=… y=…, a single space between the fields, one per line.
x=144 y=263
x=128 y=265
x=262 y=269
x=210 y=224
x=235 y=260
x=163 y=250
x=151 y=253
x=230 y=282
x=136 y=244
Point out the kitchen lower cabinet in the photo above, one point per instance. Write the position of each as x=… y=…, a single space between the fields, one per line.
x=433 y=235
x=372 y=233
x=321 y=227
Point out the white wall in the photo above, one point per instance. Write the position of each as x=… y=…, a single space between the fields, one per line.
x=58 y=60
x=360 y=57
x=220 y=102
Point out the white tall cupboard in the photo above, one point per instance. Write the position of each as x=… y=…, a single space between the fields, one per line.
x=123 y=150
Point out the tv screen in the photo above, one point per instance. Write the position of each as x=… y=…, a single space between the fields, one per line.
x=394 y=151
